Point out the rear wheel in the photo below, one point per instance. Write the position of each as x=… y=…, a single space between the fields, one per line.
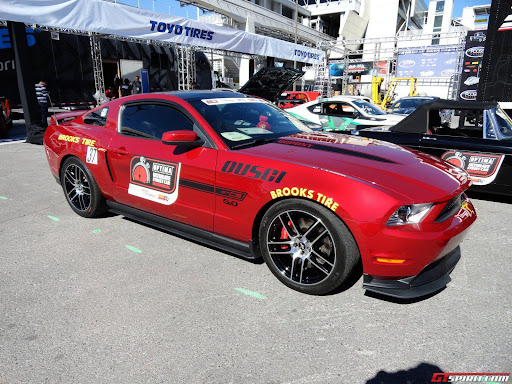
x=307 y=246
x=81 y=190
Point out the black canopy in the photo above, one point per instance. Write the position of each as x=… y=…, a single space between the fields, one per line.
x=419 y=120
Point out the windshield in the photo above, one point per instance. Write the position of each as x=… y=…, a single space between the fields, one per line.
x=504 y=123
x=409 y=103
x=368 y=108
x=243 y=122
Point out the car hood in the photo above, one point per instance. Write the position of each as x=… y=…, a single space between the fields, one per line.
x=414 y=175
x=269 y=83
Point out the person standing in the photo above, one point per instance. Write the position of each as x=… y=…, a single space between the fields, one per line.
x=42 y=99
x=126 y=88
x=136 y=86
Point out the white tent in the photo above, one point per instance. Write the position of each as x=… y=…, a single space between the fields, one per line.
x=129 y=22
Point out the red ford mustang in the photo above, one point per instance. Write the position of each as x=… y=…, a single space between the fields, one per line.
x=244 y=176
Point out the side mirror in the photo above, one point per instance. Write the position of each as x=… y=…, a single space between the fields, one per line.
x=182 y=138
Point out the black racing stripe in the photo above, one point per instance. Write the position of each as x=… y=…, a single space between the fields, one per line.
x=327 y=148
x=208 y=188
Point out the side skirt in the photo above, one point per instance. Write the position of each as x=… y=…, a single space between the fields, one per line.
x=225 y=244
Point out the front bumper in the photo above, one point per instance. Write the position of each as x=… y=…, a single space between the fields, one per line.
x=431 y=279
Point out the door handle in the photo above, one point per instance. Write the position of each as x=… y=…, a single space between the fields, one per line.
x=120 y=151
x=428 y=138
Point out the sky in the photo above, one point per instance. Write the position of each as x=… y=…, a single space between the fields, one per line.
x=173 y=6
x=459 y=4
x=164 y=6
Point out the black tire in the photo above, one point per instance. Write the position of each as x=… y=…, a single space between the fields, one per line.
x=82 y=193
x=306 y=246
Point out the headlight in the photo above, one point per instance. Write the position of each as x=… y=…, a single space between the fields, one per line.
x=409 y=214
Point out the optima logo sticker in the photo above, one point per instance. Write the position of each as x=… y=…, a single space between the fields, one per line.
x=155 y=180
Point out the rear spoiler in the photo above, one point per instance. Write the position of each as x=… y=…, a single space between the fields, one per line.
x=57 y=118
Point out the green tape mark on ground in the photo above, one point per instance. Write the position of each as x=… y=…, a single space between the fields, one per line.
x=54 y=218
x=96 y=231
x=253 y=294
x=133 y=249
x=3 y=197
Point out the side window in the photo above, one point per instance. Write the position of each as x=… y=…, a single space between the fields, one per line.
x=316 y=109
x=152 y=120
x=457 y=122
x=338 y=109
x=98 y=117
x=330 y=109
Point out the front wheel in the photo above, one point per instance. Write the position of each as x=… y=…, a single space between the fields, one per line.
x=307 y=246
x=81 y=191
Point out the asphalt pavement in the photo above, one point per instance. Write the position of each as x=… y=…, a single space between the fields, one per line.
x=113 y=301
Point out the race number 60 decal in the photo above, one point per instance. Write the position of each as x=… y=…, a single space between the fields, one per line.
x=92 y=155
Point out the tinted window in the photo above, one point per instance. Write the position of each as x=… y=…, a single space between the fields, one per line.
x=338 y=109
x=412 y=103
x=98 y=117
x=368 y=108
x=152 y=120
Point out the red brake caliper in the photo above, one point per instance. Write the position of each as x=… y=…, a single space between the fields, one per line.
x=284 y=235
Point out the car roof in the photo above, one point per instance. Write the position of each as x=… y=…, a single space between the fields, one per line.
x=202 y=94
x=419 y=97
x=339 y=98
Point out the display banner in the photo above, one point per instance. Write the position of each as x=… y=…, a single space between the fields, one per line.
x=439 y=61
x=472 y=64
x=364 y=68
x=495 y=81
x=124 y=21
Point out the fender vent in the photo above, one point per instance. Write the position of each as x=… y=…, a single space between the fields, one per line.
x=451 y=208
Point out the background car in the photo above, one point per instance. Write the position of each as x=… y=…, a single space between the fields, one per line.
x=406 y=105
x=344 y=113
x=476 y=136
x=242 y=175
x=290 y=99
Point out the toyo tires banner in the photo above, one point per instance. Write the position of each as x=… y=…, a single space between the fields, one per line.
x=124 y=21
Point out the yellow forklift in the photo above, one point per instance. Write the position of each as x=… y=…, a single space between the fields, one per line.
x=388 y=97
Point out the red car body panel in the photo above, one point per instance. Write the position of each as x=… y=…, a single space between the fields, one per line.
x=225 y=191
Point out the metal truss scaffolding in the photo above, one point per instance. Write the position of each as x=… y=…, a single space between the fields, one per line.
x=186 y=67
x=386 y=48
x=323 y=78
x=186 y=54
x=99 y=82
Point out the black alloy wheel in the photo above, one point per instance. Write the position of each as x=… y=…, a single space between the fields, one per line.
x=307 y=246
x=81 y=191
